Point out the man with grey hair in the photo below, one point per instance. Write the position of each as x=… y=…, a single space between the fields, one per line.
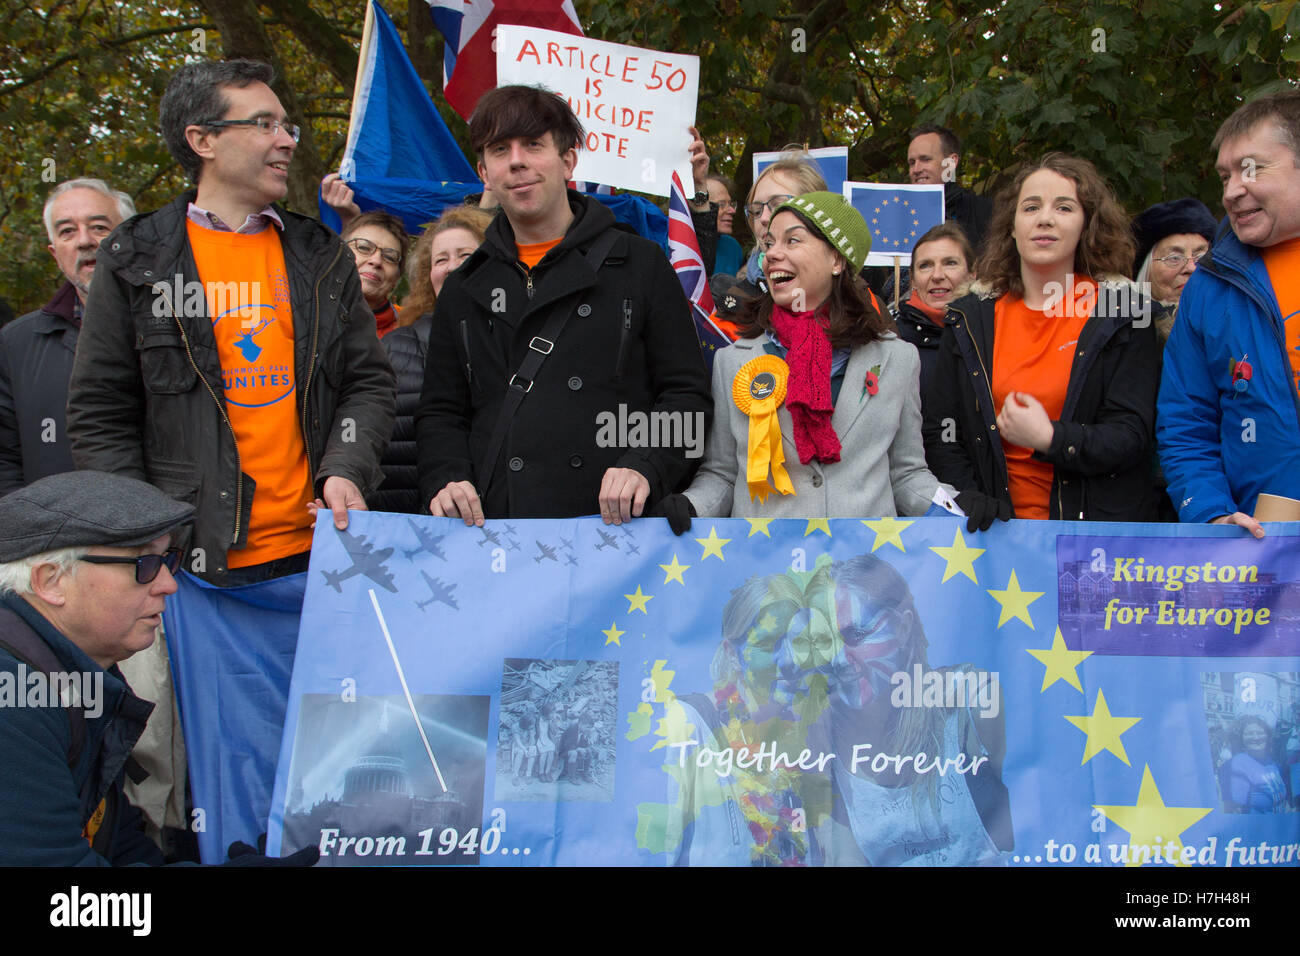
x=1229 y=409
x=228 y=355
x=86 y=563
x=36 y=350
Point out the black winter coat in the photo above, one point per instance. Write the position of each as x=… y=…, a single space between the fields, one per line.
x=916 y=327
x=36 y=353
x=147 y=398
x=1101 y=445
x=406 y=348
x=629 y=343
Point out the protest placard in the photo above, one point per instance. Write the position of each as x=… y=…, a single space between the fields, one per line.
x=634 y=104
x=832 y=161
x=897 y=214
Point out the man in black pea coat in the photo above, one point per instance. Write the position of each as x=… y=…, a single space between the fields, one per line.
x=625 y=353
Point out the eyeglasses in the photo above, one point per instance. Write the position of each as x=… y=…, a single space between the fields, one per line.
x=147 y=566
x=263 y=124
x=755 y=209
x=1175 y=260
x=364 y=248
x=725 y=204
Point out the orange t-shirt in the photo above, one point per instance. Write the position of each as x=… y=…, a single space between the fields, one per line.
x=1033 y=352
x=1283 y=262
x=531 y=253
x=252 y=321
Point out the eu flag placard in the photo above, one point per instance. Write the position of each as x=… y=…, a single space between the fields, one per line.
x=897 y=216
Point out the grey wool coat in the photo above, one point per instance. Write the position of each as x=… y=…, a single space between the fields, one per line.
x=881 y=471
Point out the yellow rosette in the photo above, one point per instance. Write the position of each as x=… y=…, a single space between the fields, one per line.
x=758 y=391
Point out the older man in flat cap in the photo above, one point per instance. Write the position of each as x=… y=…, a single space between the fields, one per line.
x=86 y=565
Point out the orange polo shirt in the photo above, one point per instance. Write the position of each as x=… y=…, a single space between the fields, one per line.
x=252 y=321
x=1033 y=352
x=1283 y=262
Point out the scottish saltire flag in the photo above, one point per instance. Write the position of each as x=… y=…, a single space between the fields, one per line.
x=897 y=215
x=469 y=65
x=232 y=655
x=759 y=692
x=684 y=254
x=400 y=156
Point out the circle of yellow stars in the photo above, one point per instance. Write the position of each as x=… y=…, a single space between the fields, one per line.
x=916 y=223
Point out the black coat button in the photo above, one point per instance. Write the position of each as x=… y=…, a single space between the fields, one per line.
x=575 y=383
x=817 y=481
x=516 y=464
x=584 y=310
x=575 y=461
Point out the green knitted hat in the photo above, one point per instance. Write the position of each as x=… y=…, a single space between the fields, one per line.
x=839 y=224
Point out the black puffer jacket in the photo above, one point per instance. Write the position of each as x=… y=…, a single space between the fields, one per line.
x=1101 y=449
x=916 y=327
x=406 y=348
x=629 y=347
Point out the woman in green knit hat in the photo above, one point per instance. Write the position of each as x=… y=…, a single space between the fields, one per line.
x=816 y=407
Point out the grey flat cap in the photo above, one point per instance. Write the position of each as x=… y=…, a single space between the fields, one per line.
x=80 y=509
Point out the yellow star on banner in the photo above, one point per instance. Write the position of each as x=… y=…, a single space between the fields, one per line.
x=613 y=634
x=637 y=602
x=1060 y=662
x=1149 y=822
x=713 y=544
x=673 y=572
x=1015 y=602
x=817 y=524
x=960 y=558
x=759 y=524
x=1103 y=730
x=888 y=531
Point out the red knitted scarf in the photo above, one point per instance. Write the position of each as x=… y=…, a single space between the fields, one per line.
x=808 y=394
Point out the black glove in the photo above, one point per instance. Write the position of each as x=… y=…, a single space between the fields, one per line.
x=241 y=854
x=678 y=510
x=981 y=510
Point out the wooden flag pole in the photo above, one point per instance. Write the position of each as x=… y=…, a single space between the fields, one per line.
x=897 y=279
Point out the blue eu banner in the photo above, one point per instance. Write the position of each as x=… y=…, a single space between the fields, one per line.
x=897 y=216
x=793 y=693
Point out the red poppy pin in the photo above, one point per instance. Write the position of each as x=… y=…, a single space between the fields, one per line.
x=871 y=384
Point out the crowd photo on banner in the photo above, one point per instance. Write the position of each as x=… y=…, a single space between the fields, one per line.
x=588 y=299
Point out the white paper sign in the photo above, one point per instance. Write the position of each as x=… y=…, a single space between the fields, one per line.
x=635 y=104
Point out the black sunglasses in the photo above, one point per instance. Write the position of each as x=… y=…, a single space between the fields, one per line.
x=147 y=566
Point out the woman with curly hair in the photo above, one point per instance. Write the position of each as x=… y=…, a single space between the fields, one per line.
x=1043 y=397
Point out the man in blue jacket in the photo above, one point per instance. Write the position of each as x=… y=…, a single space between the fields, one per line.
x=1229 y=410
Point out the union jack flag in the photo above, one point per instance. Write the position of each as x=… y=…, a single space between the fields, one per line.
x=684 y=254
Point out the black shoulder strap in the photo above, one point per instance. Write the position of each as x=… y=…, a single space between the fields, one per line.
x=521 y=383
x=27 y=646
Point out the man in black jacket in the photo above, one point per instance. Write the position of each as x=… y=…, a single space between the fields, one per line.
x=932 y=157
x=227 y=355
x=505 y=428
x=36 y=351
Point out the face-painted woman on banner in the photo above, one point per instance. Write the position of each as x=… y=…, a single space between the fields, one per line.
x=816 y=407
